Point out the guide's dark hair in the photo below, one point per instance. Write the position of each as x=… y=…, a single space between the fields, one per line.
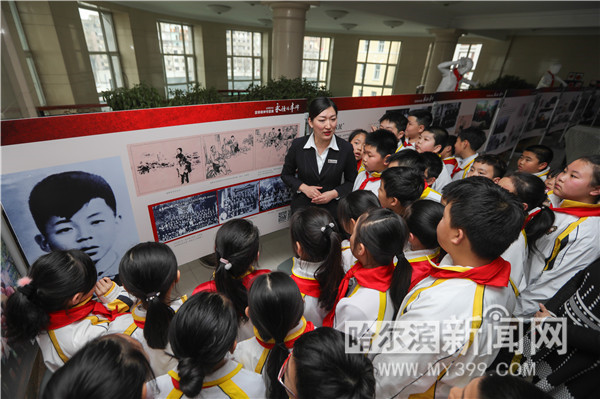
x=276 y=306
x=384 y=141
x=375 y=230
x=542 y=152
x=55 y=278
x=409 y=158
x=320 y=243
x=319 y=105
x=494 y=386
x=440 y=135
x=355 y=133
x=531 y=190
x=494 y=161
x=404 y=183
x=434 y=164
x=397 y=118
x=107 y=367
x=355 y=204
x=64 y=194
x=238 y=242
x=422 y=218
x=487 y=214
x=423 y=117
x=475 y=137
x=203 y=330
x=324 y=370
x=148 y=271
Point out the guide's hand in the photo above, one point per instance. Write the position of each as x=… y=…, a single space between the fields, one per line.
x=325 y=197
x=310 y=191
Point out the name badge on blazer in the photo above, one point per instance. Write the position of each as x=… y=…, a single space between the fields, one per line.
x=332 y=161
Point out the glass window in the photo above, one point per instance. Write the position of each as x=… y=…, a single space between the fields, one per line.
x=376 y=67
x=100 y=38
x=471 y=51
x=316 y=59
x=179 y=61
x=244 y=59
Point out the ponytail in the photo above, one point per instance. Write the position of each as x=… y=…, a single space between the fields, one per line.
x=315 y=230
x=275 y=307
x=52 y=282
x=236 y=249
x=201 y=333
x=148 y=271
x=539 y=224
x=400 y=281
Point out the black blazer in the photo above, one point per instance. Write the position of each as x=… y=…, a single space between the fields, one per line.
x=300 y=166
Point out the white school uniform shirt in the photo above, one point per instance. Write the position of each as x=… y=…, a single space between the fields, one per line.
x=229 y=381
x=543 y=174
x=310 y=143
x=253 y=356
x=431 y=194
x=442 y=180
x=517 y=254
x=59 y=345
x=556 y=257
x=312 y=311
x=348 y=260
x=364 y=305
x=448 y=166
x=465 y=165
x=437 y=302
x=161 y=360
x=372 y=186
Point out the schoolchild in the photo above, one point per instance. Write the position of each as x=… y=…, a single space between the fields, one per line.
x=488 y=165
x=380 y=286
x=572 y=242
x=530 y=191
x=436 y=176
x=465 y=149
x=480 y=221
x=357 y=139
x=395 y=122
x=433 y=140
x=422 y=218
x=551 y=179
x=111 y=366
x=275 y=307
x=54 y=305
x=378 y=147
x=202 y=334
x=400 y=187
x=236 y=252
x=349 y=210
x=149 y=273
x=447 y=154
x=536 y=160
x=415 y=160
x=317 y=267
x=418 y=121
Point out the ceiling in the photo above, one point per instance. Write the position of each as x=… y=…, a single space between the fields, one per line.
x=495 y=19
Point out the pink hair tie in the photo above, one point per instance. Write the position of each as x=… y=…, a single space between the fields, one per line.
x=225 y=263
x=23 y=281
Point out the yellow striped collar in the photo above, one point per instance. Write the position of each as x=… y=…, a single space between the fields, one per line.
x=575 y=204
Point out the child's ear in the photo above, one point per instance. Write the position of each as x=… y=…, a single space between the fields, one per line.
x=257 y=256
x=178 y=276
x=495 y=180
x=430 y=181
x=525 y=206
x=543 y=165
x=437 y=149
x=458 y=235
x=386 y=160
x=411 y=238
x=421 y=128
x=76 y=299
x=298 y=249
x=42 y=242
x=595 y=192
x=352 y=224
x=233 y=347
x=247 y=312
x=360 y=249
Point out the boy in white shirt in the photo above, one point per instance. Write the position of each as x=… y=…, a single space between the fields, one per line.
x=379 y=145
x=467 y=143
x=536 y=160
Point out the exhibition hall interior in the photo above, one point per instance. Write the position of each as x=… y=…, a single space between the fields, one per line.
x=163 y=121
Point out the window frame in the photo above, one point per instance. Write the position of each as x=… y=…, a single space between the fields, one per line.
x=321 y=81
x=230 y=58
x=187 y=56
x=359 y=87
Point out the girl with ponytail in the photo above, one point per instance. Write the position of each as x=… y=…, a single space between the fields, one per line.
x=236 y=250
x=201 y=334
x=148 y=271
x=379 y=235
x=317 y=267
x=54 y=305
x=275 y=308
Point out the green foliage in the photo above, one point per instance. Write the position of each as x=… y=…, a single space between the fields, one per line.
x=505 y=82
x=194 y=95
x=285 y=88
x=139 y=96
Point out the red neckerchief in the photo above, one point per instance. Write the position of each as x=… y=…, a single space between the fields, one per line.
x=289 y=340
x=552 y=76
x=175 y=382
x=247 y=280
x=420 y=270
x=64 y=317
x=450 y=161
x=368 y=179
x=358 y=165
x=456 y=169
x=308 y=287
x=496 y=273
x=579 y=211
x=378 y=278
x=530 y=216
x=408 y=143
x=458 y=78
